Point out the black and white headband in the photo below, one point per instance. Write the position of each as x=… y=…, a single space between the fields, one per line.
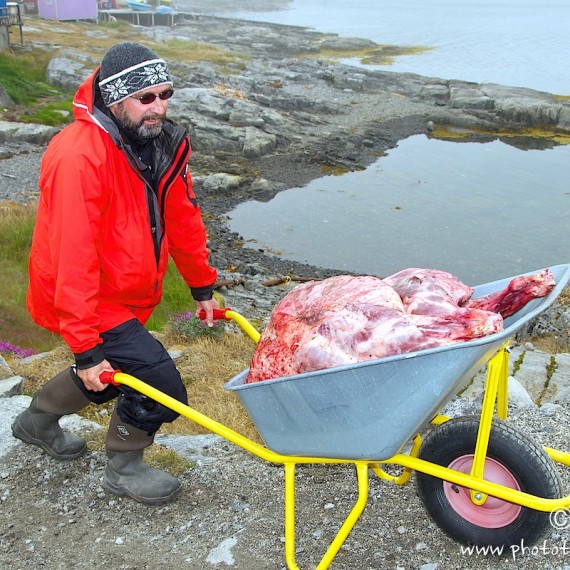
x=134 y=79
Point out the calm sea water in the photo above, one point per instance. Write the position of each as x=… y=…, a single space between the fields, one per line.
x=481 y=211
x=524 y=43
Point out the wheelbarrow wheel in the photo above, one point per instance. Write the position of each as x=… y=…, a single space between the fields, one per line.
x=513 y=460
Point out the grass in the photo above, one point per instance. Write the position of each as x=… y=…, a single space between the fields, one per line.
x=175 y=299
x=23 y=76
x=16 y=326
x=377 y=55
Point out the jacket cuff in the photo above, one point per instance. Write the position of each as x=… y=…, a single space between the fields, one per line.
x=89 y=358
x=202 y=293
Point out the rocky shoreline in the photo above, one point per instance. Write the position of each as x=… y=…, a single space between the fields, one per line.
x=276 y=123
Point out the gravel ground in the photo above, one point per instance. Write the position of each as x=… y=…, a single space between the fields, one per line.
x=230 y=514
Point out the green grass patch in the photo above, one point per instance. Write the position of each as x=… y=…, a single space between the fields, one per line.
x=176 y=299
x=54 y=113
x=16 y=227
x=16 y=325
x=23 y=76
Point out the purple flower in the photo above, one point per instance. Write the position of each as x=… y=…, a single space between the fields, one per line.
x=9 y=348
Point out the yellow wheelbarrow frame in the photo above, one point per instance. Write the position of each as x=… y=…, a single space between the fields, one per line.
x=494 y=401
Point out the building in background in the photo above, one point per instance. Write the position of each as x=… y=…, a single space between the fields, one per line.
x=10 y=22
x=68 y=9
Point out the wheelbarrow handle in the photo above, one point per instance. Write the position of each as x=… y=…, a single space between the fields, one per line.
x=219 y=314
x=228 y=315
x=108 y=377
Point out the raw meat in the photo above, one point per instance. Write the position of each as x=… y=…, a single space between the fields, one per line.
x=518 y=293
x=429 y=291
x=348 y=319
x=327 y=323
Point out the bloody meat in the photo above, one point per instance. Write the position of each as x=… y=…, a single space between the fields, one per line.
x=348 y=319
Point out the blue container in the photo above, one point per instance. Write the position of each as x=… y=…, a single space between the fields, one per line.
x=371 y=410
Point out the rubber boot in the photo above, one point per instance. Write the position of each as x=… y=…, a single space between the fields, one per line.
x=126 y=473
x=39 y=424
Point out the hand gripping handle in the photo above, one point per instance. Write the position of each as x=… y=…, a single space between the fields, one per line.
x=219 y=314
x=108 y=377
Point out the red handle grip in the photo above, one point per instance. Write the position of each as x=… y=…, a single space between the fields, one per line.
x=108 y=377
x=219 y=314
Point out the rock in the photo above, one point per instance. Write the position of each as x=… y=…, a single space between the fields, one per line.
x=550 y=409
x=35 y=357
x=5 y=99
x=518 y=396
x=26 y=132
x=69 y=70
x=564 y=119
x=10 y=386
x=467 y=97
x=202 y=101
x=4 y=366
x=258 y=143
x=563 y=397
x=533 y=374
x=221 y=182
x=347 y=44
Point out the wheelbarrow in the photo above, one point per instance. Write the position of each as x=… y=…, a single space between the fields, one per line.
x=482 y=481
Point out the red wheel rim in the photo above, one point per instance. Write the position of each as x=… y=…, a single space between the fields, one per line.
x=493 y=513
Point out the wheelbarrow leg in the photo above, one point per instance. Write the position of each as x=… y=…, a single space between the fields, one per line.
x=344 y=531
x=497 y=378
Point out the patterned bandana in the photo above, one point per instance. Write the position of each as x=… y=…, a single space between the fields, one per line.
x=129 y=68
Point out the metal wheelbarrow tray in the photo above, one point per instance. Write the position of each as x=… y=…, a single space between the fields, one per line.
x=370 y=410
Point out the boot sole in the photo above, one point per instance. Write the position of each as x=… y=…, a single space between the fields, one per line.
x=124 y=492
x=19 y=433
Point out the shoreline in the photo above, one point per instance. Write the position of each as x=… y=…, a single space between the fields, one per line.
x=280 y=121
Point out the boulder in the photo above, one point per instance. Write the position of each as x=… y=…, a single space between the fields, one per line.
x=26 y=132
x=5 y=99
x=69 y=69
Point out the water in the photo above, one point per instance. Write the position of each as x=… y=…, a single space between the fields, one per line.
x=524 y=43
x=428 y=203
x=480 y=211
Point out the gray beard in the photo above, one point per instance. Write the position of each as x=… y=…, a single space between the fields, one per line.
x=137 y=129
x=149 y=132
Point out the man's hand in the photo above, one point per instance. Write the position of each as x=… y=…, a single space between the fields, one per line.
x=90 y=376
x=208 y=307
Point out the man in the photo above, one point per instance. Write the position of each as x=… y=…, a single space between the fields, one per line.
x=115 y=201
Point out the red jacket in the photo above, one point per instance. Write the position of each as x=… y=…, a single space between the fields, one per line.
x=97 y=258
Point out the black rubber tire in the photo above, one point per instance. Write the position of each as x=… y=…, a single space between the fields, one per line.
x=520 y=456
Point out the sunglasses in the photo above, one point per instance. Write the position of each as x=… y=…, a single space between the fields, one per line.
x=148 y=98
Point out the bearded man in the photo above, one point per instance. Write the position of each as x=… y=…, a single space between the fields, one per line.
x=115 y=203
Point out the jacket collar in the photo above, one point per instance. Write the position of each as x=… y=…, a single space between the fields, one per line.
x=88 y=106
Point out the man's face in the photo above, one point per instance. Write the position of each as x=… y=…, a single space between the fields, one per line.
x=138 y=119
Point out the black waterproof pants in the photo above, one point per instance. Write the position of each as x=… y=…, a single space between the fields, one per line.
x=131 y=349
